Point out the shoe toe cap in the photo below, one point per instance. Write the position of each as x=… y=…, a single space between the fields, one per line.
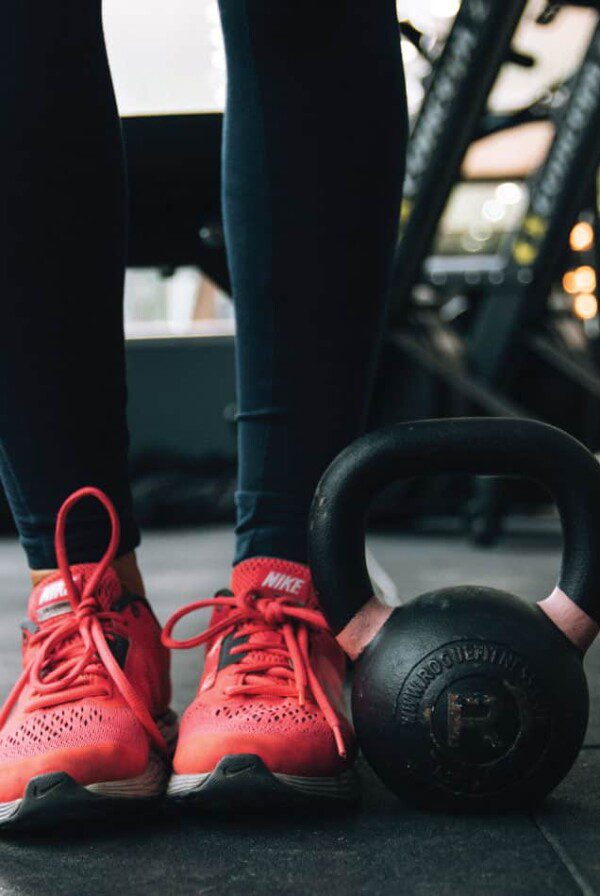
x=111 y=746
x=289 y=739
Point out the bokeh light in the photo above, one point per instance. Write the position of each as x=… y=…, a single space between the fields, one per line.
x=585 y=305
x=582 y=237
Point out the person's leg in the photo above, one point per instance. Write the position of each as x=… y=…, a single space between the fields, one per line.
x=62 y=242
x=91 y=707
x=314 y=148
x=314 y=156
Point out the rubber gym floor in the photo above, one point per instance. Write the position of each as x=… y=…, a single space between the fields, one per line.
x=380 y=848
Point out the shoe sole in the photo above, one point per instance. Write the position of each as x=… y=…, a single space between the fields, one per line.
x=243 y=780
x=56 y=797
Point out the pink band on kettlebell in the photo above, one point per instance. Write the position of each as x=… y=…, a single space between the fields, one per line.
x=363 y=627
x=570 y=619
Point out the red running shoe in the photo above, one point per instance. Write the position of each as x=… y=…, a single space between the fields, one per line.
x=87 y=725
x=267 y=721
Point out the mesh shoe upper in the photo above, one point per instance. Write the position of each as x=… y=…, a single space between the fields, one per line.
x=272 y=681
x=81 y=724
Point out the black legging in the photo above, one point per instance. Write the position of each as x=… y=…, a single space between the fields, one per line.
x=314 y=144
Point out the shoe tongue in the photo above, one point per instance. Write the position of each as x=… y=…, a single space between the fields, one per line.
x=271 y=578
x=50 y=598
x=274 y=578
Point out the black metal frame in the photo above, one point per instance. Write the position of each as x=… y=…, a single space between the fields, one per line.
x=451 y=115
x=517 y=285
x=515 y=305
x=464 y=74
x=520 y=281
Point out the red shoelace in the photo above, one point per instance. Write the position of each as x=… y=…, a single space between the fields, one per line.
x=278 y=638
x=73 y=659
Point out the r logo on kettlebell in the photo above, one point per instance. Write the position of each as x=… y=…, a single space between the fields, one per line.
x=478 y=702
x=476 y=712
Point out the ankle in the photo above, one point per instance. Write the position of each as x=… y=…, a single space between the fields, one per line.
x=126 y=568
x=38 y=575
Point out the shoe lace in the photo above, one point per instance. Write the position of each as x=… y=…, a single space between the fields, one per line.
x=275 y=658
x=73 y=658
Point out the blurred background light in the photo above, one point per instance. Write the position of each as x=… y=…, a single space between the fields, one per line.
x=585 y=306
x=582 y=279
x=582 y=237
x=492 y=210
x=509 y=193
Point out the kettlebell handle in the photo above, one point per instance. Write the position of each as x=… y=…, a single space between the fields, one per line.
x=477 y=446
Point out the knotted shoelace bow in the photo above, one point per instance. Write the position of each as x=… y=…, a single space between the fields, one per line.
x=74 y=659
x=281 y=666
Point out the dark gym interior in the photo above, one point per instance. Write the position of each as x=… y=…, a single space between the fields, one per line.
x=493 y=314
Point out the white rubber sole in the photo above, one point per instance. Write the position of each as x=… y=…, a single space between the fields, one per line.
x=246 y=775
x=43 y=793
x=151 y=784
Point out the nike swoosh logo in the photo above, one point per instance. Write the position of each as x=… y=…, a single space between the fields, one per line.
x=43 y=789
x=232 y=772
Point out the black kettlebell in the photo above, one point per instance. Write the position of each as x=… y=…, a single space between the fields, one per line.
x=468 y=696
